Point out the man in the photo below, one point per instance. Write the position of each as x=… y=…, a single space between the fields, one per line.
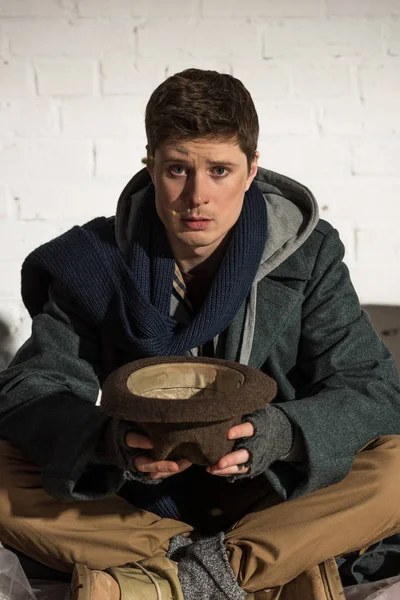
x=207 y=255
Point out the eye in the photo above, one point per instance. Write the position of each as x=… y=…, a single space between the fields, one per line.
x=178 y=170
x=220 y=171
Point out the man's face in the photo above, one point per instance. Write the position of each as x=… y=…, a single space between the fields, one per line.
x=199 y=187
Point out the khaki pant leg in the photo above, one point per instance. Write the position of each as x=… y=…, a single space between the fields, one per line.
x=270 y=547
x=103 y=533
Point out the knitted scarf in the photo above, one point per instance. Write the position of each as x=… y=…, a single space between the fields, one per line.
x=130 y=299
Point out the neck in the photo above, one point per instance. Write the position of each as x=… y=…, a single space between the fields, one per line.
x=209 y=260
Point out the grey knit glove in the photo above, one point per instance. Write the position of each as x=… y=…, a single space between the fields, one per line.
x=272 y=440
x=113 y=450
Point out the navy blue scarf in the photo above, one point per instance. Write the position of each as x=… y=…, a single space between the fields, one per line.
x=130 y=299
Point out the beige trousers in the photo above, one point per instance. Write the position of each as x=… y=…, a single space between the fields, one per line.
x=268 y=547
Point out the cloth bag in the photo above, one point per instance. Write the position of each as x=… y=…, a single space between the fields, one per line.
x=13 y=582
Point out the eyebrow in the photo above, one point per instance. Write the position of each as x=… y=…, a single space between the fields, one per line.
x=217 y=163
x=211 y=163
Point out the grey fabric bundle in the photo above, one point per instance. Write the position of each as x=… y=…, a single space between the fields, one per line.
x=203 y=568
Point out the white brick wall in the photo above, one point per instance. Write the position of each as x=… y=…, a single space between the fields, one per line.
x=16 y=78
x=66 y=77
x=75 y=76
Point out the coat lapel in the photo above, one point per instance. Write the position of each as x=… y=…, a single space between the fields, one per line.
x=229 y=340
x=276 y=302
x=275 y=305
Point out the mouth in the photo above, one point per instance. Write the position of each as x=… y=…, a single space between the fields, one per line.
x=196 y=222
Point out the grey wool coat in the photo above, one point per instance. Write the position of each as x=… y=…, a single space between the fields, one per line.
x=302 y=324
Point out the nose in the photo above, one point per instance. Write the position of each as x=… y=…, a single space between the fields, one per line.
x=196 y=191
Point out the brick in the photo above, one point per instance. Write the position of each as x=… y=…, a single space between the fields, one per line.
x=33 y=8
x=123 y=76
x=69 y=201
x=10 y=280
x=49 y=159
x=10 y=315
x=377 y=158
x=374 y=282
x=377 y=241
x=303 y=158
x=357 y=197
x=16 y=322
x=75 y=38
x=16 y=78
x=140 y=8
x=4 y=51
x=377 y=79
x=321 y=37
x=265 y=79
x=4 y=203
x=322 y=79
x=178 y=38
x=119 y=157
x=362 y=8
x=285 y=118
x=341 y=117
x=262 y=8
x=106 y=8
x=66 y=77
x=393 y=41
x=37 y=117
x=21 y=237
x=382 y=116
x=158 y=8
x=100 y=117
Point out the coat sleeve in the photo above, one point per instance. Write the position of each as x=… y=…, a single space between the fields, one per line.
x=48 y=404
x=350 y=392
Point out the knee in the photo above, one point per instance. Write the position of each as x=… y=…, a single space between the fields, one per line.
x=383 y=455
x=20 y=481
x=385 y=452
x=6 y=511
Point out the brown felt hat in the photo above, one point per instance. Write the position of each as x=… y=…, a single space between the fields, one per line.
x=185 y=404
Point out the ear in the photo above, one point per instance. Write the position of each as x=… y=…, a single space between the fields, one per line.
x=253 y=170
x=149 y=162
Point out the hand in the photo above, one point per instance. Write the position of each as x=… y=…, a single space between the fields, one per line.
x=145 y=464
x=233 y=463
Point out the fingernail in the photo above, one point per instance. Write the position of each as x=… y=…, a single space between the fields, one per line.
x=232 y=436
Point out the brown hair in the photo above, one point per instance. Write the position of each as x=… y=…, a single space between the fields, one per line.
x=202 y=104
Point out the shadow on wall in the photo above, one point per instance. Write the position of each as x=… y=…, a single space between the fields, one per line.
x=386 y=321
x=5 y=343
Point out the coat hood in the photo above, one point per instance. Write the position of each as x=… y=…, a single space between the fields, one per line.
x=292 y=216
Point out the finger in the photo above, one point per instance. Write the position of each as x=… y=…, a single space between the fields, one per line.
x=234 y=458
x=137 y=440
x=240 y=431
x=146 y=464
x=183 y=464
x=235 y=470
x=160 y=475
